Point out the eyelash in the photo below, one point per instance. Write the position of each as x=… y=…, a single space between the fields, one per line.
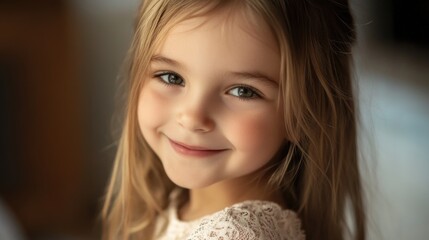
x=256 y=94
x=161 y=74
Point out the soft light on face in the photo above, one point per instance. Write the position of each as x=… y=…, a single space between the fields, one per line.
x=209 y=106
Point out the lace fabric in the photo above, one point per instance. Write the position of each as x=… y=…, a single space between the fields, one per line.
x=254 y=220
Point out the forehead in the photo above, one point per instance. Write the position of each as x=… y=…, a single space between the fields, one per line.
x=233 y=39
x=229 y=23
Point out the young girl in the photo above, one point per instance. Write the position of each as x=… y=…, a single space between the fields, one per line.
x=240 y=124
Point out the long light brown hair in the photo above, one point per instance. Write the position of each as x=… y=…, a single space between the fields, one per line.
x=318 y=173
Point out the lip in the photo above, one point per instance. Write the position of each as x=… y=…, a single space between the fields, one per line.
x=196 y=151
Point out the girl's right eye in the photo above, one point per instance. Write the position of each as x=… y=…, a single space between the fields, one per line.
x=170 y=78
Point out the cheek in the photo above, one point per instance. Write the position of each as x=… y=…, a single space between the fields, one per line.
x=256 y=133
x=152 y=108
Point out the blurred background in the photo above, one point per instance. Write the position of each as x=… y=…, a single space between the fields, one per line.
x=59 y=62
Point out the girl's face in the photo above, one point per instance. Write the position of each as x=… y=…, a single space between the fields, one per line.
x=208 y=107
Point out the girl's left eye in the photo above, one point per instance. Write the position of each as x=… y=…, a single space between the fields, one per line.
x=170 y=78
x=244 y=92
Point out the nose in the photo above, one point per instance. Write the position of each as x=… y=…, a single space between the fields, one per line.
x=194 y=115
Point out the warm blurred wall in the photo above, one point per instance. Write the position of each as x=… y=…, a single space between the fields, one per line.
x=59 y=61
x=43 y=154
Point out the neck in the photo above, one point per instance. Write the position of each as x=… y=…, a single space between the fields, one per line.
x=214 y=198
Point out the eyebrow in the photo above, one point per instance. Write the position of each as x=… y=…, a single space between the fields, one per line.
x=255 y=75
x=247 y=75
x=161 y=59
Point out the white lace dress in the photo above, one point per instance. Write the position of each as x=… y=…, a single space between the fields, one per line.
x=249 y=220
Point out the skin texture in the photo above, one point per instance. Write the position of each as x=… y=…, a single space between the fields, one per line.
x=209 y=110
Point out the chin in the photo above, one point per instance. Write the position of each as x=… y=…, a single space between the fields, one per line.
x=189 y=182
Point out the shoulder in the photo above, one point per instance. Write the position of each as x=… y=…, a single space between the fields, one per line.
x=251 y=220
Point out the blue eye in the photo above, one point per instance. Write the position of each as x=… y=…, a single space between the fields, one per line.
x=170 y=78
x=244 y=92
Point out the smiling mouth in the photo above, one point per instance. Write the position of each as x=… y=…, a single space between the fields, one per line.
x=194 y=150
